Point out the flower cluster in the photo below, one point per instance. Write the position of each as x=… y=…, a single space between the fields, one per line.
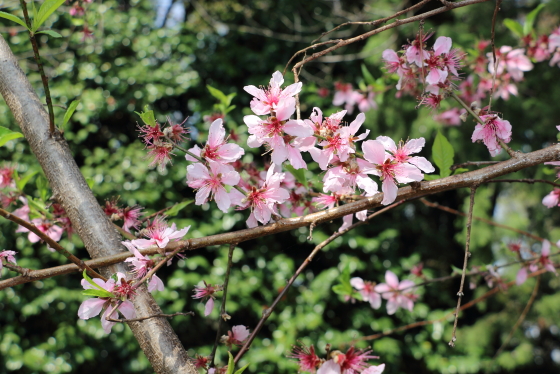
x=129 y=215
x=353 y=361
x=346 y=95
x=398 y=294
x=114 y=296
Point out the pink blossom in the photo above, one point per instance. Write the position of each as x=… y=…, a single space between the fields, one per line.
x=267 y=100
x=552 y=199
x=211 y=183
x=46 y=227
x=76 y=10
x=236 y=336
x=141 y=266
x=394 y=63
x=389 y=169
x=450 y=117
x=160 y=234
x=494 y=128
x=160 y=153
x=7 y=177
x=9 y=256
x=131 y=217
x=207 y=292
x=392 y=291
x=348 y=175
x=367 y=290
x=263 y=200
x=121 y=291
x=512 y=60
x=343 y=93
x=216 y=148
x=402 y=153
x=308 y=360
x=374 y=369
x=416 y=52
x=278 y=131
x=351 y=362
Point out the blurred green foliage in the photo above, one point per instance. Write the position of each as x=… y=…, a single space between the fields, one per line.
x=134 y=60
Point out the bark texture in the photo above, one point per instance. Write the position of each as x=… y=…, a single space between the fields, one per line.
x=155 y=336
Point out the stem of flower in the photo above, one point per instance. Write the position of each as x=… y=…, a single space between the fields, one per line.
x=223 y=307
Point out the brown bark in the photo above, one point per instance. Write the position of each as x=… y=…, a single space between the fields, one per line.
x=155 y=336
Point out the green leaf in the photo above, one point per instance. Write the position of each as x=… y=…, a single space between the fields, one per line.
x=177 y=208
x=367 y=76
x=443 y=154
x=37 y=205
x=148 y=117
x=460 y=171
x=54 y=34
x=431 y=177
x=46 y=9
x=21 y=182
x=242 y=369
x=218 y=95
x=231 y=364
x=229 y=109
x=514 y=26
x=71 y=108
x=299 y=174
x=530 y=19
x=6 y=135
x=13 y=18
x=43 y=187
x=97 y=293
x=90 y=182
x=95 y=285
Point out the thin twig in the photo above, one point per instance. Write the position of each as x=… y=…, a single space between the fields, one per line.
x=397 y=23
x=124 y=320
x=222 y=315
x=492 y=42
x=521 y=318
x=376 y=22
x=51 y=243
x=460 y=294
x=267 y=312
x=44 y=77
x=485 y=220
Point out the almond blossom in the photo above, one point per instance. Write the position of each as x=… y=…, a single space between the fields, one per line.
x=210 y=183
x=158 y=233
x=494 y=128
x=442 y=61
x=392 y=291
x=389 y=169
x=216 y=148
x=351 y=362
x=267 y=100
x=552 y=199
x=117 y=291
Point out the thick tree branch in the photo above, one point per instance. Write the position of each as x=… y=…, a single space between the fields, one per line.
x=156 y=337
x=476 y=177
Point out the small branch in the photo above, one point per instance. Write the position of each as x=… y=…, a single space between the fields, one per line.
x=492 y=41
x=460 y=294
x=51 y=243
x=148 y=317
x=472 y=163
x=521 y=318
x=485 y=220
x=186 y=151
x=44 y=77
x=302 y=267
x=376 y=22
x=18 y=269
x=222 y=315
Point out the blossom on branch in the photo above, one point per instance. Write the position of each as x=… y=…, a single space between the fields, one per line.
x=210 y=183
x=494 y=128
x=236 y=336
x=216 y=148
x=158 y=233
x=394 y=292
x=8 y=256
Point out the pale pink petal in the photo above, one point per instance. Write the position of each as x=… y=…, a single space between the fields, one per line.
x=388 y=143
x=240 y=332
x=392 y=280
x=90 y=308
x=389 y=191
x=222 y=199
x=127 y=309
x=216 y=134
x=374 y=369
x=209 y=307
x=442 y=45
x=521 y=276
x=374 y=151
x=329 y=367
x=357 y=283
x=201 y=196
x=422 y=164
x=155 y=284
x=298 y=128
